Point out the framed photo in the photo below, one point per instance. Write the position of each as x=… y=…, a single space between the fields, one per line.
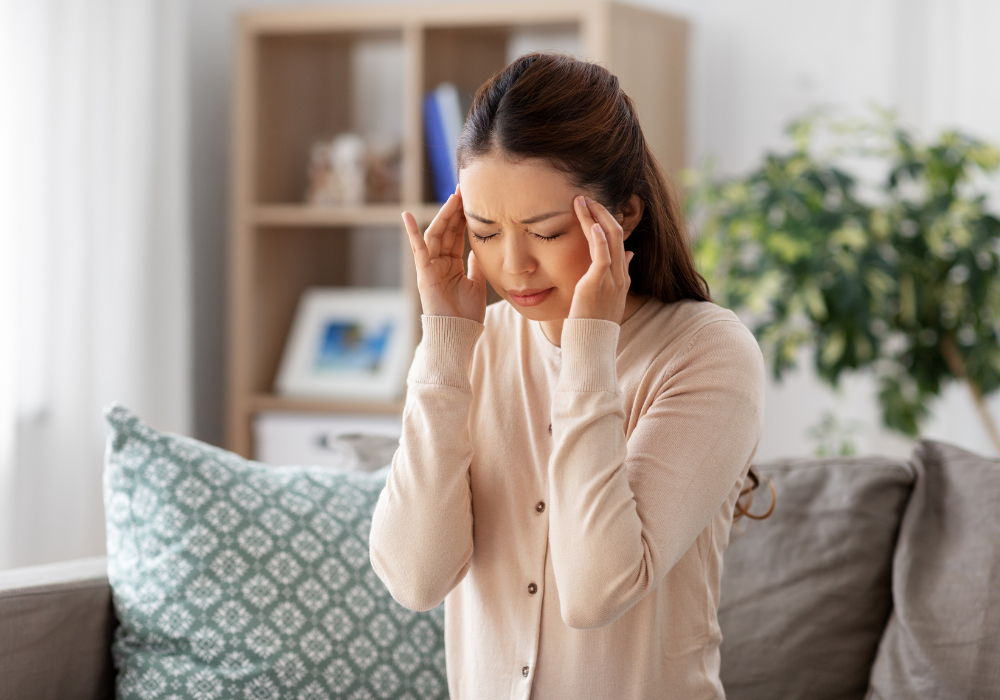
x=349 y=343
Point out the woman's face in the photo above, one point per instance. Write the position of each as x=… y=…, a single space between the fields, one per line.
x=525 y=233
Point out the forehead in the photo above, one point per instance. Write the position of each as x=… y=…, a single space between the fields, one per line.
x=499 y=189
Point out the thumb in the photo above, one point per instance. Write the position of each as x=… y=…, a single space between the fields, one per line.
x=476 y=272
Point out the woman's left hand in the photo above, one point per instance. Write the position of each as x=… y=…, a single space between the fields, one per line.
x=601 y=291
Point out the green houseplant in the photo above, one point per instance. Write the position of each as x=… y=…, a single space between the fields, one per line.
x=896 y=272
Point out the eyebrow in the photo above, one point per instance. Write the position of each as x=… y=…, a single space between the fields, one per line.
x=531 y=220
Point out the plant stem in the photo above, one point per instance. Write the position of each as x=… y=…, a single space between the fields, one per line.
x=953 y=358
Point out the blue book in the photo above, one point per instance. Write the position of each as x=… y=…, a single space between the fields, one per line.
x=443 y=128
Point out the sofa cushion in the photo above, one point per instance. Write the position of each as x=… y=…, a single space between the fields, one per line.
x=806 y=592
x=57 y=611
x=235 y=579
x=943 y=638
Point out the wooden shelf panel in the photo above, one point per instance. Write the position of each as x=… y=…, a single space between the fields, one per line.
x=305 y=75
x=274 y=402
x=322 y=19
x=364 y=215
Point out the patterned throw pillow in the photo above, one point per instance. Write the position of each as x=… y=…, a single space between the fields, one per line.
x=233 y=579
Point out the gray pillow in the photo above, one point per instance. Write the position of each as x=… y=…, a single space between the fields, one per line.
x=943 y=639
x=806 y=593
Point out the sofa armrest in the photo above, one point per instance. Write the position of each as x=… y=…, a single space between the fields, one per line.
x=56 y=627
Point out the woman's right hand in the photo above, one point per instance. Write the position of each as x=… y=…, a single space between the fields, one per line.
x=445 y=289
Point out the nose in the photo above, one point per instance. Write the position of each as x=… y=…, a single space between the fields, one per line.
x=517 y=258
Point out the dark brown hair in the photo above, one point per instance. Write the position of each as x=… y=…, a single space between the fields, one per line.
x=575 y=115
x=741 y=509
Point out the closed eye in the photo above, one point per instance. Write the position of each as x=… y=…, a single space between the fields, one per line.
x=483 y=239
x=547 y=238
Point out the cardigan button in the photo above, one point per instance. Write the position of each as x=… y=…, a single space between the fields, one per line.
x=540 y=506
x=532 y=588
x=524 y=671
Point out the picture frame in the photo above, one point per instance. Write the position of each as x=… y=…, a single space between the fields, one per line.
x=348 y=343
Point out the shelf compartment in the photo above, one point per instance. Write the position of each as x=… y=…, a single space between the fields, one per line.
x=366 y=215
x=311 y=87
x=298 y=82
x=468 y=56
x=289 y=260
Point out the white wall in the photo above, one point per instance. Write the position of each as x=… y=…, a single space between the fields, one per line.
x=754 y=65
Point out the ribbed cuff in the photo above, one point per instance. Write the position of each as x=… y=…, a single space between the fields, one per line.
x=589 y=350
x=445 y=354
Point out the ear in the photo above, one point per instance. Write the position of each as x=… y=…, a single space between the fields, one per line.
x=631 y=214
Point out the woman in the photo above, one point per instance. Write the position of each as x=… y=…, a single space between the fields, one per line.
x=571 y=456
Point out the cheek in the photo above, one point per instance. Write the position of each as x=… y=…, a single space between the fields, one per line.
x=488 y=257
x=572 y=259
x=562 y=263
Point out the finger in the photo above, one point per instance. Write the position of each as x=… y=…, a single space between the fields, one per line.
x=435 y=231
x=615 y=236
x=586 y=222
x=417 y=244
x=458 y=245
x=603 y=257
x=453 y=241
x=448 y=237
x=475 y=272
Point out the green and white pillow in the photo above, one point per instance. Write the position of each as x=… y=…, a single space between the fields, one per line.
x=234 y=579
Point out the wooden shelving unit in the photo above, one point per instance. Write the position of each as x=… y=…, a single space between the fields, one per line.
x=296 y=80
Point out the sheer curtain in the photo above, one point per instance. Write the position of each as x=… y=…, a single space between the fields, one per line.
x=94 y=264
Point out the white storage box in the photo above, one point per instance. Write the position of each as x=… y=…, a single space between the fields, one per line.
x=346 y=441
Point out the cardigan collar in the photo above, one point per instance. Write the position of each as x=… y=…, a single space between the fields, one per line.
x=629 y=327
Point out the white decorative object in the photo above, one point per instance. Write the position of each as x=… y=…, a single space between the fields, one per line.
x=331 y=440
x=337 y=170
x=349 y=343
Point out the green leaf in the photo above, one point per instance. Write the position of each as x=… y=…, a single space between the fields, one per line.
x=833 y=348
x=822 y=256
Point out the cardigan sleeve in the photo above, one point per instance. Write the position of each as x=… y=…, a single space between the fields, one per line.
x=421 y=533
x=623 y=514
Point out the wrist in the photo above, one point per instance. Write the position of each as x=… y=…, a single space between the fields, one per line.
x=589 y=355
x=446 y=350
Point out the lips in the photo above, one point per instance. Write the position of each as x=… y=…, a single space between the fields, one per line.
x=529 y=297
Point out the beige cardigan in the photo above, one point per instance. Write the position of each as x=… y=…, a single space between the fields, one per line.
x=571 y=505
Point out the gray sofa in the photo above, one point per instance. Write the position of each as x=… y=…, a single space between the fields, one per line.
x=874 y=578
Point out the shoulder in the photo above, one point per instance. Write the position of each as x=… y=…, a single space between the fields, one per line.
x=721 y=353
x=679 y=326
x=702 y=338
x=716 y=326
